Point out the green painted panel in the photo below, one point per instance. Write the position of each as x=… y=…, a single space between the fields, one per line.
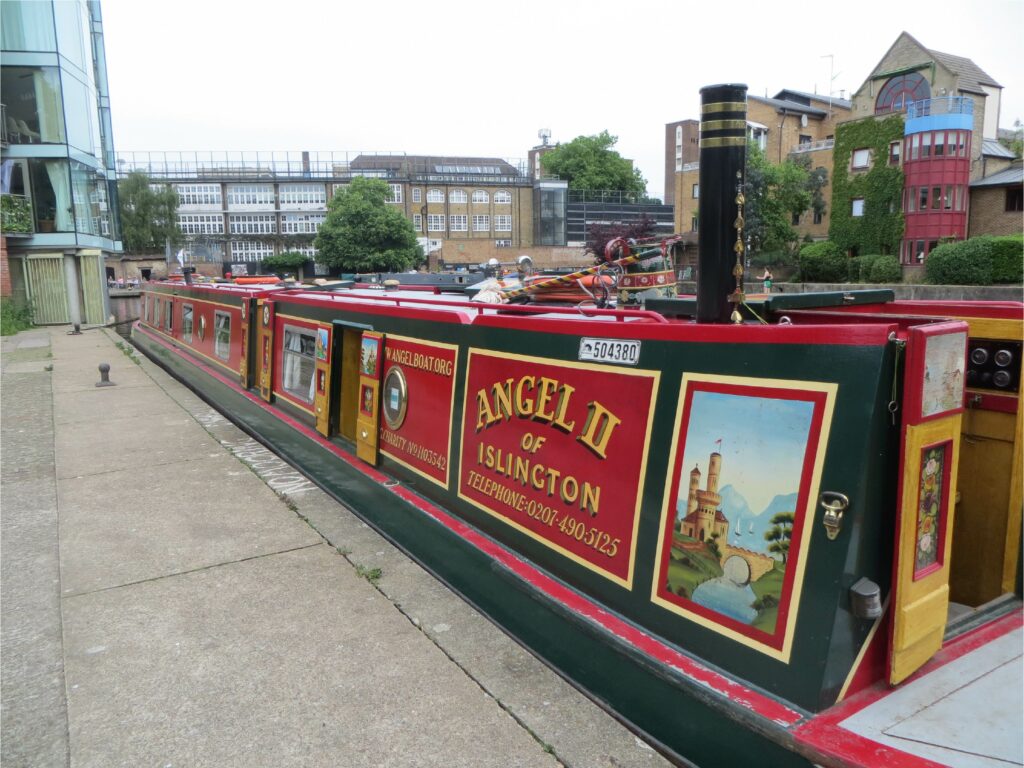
x=46 y=289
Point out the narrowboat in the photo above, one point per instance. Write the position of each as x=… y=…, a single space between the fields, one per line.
x=750 y=526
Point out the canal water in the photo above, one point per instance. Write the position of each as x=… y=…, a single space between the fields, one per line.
x=124 y=306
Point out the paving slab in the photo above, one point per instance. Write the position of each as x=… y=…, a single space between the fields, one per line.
x=129 y=443
x=173 y=518
x=95 y=405
x=285 y=660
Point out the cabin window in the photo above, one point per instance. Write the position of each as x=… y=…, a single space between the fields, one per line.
x=221 y=334
x=186 y=322
x=169 y=315
x=298 y=363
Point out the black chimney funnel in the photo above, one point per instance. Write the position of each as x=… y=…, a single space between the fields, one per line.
x=723 y=152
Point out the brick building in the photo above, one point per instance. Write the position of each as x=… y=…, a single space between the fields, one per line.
x=997 y=202
x=950 y=108
x=790 y=124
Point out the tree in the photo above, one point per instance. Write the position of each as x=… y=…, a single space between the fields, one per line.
x=288 y=261
x=362 y=233
x=774 y=194
x=149 y=217
x=1014 y=140
x=590 y=163
x=780 y=534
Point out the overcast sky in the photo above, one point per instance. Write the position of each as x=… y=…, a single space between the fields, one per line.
x=477 y=78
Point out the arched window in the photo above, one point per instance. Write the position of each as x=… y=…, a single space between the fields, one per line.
x=480 y=196
x=900 y=91
x=502 y=197
x=457 y=196
x=435 y=196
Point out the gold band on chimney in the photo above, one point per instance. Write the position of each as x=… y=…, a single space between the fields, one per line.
x=724 y=141
x=723 y=106
x=723 y=125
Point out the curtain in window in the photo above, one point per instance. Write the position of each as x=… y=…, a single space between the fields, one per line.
x=27 y=25
x=57 y=170
x=290 y=377
x=47 y=91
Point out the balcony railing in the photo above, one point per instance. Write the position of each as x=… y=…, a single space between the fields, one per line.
x=942 y=105
x=813 y=146
x=297 y=165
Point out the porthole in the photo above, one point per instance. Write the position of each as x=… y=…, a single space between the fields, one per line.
x=396 y=397
x=1001 y=378
x=979 y=356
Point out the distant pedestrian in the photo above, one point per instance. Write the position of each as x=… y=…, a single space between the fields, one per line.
x=767 y=279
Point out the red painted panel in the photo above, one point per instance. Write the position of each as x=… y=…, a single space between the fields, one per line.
x=552 y=449
x=423 y=440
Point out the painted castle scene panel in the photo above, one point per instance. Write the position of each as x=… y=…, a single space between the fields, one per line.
x=737 y=507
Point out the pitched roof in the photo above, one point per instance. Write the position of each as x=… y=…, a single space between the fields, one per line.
x=436 y=164
x=803 y=97
x=992 y=148
x=970 y=76
x=792 y=106
x=1004 y=178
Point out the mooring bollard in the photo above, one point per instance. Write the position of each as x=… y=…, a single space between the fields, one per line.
x=105 y=376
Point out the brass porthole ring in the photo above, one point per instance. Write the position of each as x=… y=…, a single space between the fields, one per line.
x=396 y=397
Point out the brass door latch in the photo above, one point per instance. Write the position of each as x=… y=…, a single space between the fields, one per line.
x=834 y=504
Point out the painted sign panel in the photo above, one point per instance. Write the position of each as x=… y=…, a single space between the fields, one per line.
x=746 y=462
x=932 y=506
x=558 y=451
x=417 y=400
x=935 y=372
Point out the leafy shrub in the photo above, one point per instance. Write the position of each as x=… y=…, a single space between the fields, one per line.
x=823 y=262
x=14 y=317
x=859 y=268
x=1008 y=259
x=284 y=262
x=967 y=262
x=885 y=269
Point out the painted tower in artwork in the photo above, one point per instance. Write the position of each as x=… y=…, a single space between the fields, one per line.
x=703 y=517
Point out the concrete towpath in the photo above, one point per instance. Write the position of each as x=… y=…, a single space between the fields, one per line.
x=173 y=594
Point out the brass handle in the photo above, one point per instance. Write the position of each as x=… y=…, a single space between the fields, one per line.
x=834 y=504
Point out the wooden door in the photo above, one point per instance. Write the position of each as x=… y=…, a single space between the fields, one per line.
x=929 y=456
x=371 y=352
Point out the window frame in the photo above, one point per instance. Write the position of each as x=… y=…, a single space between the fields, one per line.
x=187 y=321
x=217 y=315
x=480 y=197
x=305 y=394
x=435 y=195
x=500 y=222
x=458 y=222
x=854 y=207
x=502 y=197
x=458 y=196
x=866 y=153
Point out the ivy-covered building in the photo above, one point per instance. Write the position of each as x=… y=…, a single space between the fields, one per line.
x=904 y=164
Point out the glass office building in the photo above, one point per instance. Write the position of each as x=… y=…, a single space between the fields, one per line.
x=60 y=217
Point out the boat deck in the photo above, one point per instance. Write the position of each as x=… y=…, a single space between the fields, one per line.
x=965 y=709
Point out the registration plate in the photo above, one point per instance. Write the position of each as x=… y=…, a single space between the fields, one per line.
x=610 y=351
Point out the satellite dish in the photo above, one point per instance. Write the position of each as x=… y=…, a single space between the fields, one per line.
x=803 y=121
